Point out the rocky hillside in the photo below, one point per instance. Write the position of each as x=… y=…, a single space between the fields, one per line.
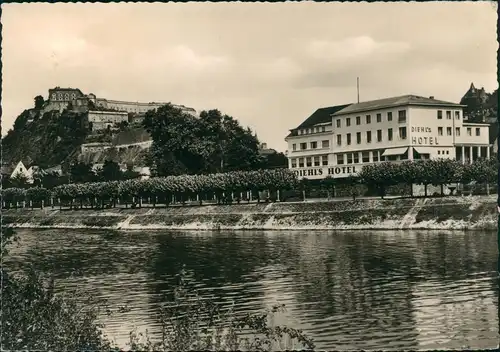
x=55 y=138
x=45 y=140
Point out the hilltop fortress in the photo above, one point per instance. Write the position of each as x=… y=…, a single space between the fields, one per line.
x=75 y=99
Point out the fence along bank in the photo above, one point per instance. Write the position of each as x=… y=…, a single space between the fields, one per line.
x=339 y=141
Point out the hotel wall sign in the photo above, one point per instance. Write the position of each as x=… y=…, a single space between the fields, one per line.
x=428 y=140
x=421 y=129
x=332 y=171
x=424 y=140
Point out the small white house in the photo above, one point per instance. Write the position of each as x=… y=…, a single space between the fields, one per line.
x=144 y=171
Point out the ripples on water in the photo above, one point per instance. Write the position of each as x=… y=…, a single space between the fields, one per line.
x=360 y=290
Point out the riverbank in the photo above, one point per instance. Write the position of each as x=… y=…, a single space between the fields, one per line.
x=465 y=213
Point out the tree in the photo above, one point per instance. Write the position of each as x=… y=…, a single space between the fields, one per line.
x=19 y=181
x=274 y=160
x=408 y=173
x=52 y=179
x=443 y=171
x=111 y=171
x=130 y=174
x=39 y=101
x=184 y=144
x=329 y=184
x=380 y=176
x=81 y=172
x=353 y=182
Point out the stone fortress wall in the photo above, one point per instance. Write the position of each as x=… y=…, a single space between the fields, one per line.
x=74 y=98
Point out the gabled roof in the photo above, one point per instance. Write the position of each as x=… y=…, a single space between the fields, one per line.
x=8 y=169
x=321 y=115
x=393 y=102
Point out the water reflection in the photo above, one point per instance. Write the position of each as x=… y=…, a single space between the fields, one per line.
x=380 y=290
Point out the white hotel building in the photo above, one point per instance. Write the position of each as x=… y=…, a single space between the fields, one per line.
x=340 y=140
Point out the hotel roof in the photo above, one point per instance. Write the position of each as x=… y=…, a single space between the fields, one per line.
x=393 y=102
x=321 y=115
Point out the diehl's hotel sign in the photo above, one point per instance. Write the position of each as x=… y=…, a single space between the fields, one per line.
x=423 y=140
x=334 y=171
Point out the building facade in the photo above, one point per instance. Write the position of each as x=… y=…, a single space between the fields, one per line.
x=63 y=98
x=339 y=141
x=101 y=120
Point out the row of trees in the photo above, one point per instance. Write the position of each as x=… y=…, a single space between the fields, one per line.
x=166 y=189
x=223 y=186
x=436 y=172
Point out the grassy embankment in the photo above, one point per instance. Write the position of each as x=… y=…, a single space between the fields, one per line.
x=471 y=213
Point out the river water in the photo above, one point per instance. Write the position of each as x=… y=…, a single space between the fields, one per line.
x=347 y=290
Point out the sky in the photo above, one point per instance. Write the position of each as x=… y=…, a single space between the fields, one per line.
x=268 y=65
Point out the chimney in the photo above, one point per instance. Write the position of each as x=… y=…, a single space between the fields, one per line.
x=431 y=97
x=263 y=146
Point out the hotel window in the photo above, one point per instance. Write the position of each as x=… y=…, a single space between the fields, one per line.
x=375 y=156
x=301 y=132
x=379 y=135
x=440 y=114
x=356 y=157
x=316 y=161
x=340 y=159
x=389 y=116
x=323 y=129
x=401 y=116
x=358 y=137
x=294 y=162
x=358 y=120
x=440 y=131
x=338 y=123
x=301 y=162
x=447 y=152
x=308 y=161
x=368 y=119
x=314 y=145
x=402 y=132
x=348 y=139
x=308 y=131
x=324 y=160
x=339 y=139
x=348 y=122
x=478 y=131
x=457 y=115
x=294 y=147
x=439 y=152
x=448 y=115
x=303 y=146
x=368 y=136
x=349 y=158
x=366 y=157
x=457 y=131
x=389 y=134
x=448 y=131
x=325 y=144
x=469 y=131
x=379 y=117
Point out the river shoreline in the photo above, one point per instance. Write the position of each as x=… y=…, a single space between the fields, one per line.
x=448 y=213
